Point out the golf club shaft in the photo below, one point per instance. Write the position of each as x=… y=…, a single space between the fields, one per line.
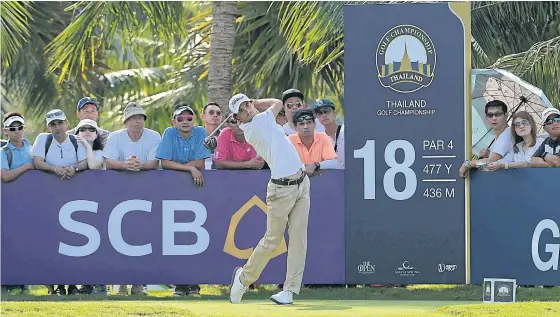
x=221 y=124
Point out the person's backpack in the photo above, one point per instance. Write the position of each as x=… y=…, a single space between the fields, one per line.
x=9 y=155
x=49 y=141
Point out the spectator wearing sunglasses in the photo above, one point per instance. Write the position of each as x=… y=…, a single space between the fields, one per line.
x=182 y=149
x=548 y=154
x=314 y=148
x=525 y=140
x=16 y=154
x=293 y=100
x=496 y=117
x=234 y=152
x=88 y=108
x=134 y=147
x=57 y=152
x=90 y=135
x=211 y=117
x=325 y=111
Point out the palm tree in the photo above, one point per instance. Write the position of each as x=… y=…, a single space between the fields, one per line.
x=117 y=58
x=523 y=37
x=221 y=52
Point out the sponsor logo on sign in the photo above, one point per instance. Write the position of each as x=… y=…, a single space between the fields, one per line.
x=406 y=269
x=544 y=228
x=446 y=267
x=366 y=268
x=405 y=59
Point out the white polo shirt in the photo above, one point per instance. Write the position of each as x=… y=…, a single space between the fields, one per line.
x=60 y=154
x=339 y=149
x=120 y=147
x=289 y=131
x=504 y=144
x=272 y=144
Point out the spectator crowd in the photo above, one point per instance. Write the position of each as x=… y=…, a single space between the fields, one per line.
x=184 y=146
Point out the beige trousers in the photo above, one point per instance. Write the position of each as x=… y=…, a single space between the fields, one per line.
x=286 y=205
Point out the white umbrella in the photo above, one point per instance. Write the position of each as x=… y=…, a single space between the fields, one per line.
x=517 y=94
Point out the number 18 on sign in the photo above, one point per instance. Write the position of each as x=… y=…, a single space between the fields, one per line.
x=405 y=101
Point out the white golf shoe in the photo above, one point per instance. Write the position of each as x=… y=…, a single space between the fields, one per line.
x=236 y=288
x=282 y=298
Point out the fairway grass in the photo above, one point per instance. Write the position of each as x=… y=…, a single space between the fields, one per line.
x=413 y=301
x=263 y=308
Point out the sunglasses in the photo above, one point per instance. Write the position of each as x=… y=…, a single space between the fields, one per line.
x=323 y=111
x=494 y=114
x=182 y=118
x=55 y=114
x=91 y=129
x=307 y=119
x=214 y=112
x=18 y=128
x=232 y=121
x=552 y=121
x=521 y=123
x=294 y=105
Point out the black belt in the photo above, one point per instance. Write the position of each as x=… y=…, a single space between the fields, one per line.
x=287 y=182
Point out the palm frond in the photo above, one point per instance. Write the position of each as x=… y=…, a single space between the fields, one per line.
x=540 y=66
x=14 y=30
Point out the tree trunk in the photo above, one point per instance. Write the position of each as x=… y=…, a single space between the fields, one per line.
x=221 y=53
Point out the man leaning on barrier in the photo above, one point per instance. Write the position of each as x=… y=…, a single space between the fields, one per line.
x=16 y=154
x=132 y=149
x=548 y=154
x=182 y=149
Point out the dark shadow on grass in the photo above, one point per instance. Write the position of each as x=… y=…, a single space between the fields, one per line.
x=322 y=307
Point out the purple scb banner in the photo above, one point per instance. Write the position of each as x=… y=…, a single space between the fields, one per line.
x=156 y=227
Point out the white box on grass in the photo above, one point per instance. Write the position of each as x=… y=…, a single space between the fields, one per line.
x=499 y=290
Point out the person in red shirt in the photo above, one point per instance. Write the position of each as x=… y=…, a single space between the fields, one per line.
x=233 y=152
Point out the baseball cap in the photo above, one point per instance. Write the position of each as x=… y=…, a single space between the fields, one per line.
x=132 y=109
x=548 y=112
x=86 y=100
x=322 y=103
x=55 y=114
x=236 y=101
x=87 y=122
x=291 y=93
x=180 y=108
x=13 y=119
x=302 y=115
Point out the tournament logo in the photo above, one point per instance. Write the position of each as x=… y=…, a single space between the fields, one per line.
x=406 y=59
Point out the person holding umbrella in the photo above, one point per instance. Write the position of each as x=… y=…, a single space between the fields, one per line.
x=496 y=116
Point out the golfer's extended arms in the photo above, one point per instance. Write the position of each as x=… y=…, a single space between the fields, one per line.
x=274 y=104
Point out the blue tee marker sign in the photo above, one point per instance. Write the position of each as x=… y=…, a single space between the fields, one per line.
x=407 y=70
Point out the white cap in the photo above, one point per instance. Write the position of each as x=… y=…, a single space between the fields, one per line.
x=547 y=112
x=55 y=114
x=236 y=101
x=13 y=119
x=178 y=110
x=87 y=122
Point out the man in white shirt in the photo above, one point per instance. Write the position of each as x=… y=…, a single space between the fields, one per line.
x=287 y=198
x=57 y=152
x=293 y=100
x=496 y=115
x=134 y=147
x=325 y=111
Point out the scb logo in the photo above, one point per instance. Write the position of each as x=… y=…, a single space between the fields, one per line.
x=169 y=228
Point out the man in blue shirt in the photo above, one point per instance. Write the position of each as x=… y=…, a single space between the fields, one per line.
x=182 y=149
x=16 y=154
x=15 y=160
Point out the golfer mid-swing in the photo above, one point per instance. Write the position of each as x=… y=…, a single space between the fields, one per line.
x=287 y=197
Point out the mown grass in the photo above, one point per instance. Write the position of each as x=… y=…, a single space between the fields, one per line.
x=413 y=301
x=412 y=292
